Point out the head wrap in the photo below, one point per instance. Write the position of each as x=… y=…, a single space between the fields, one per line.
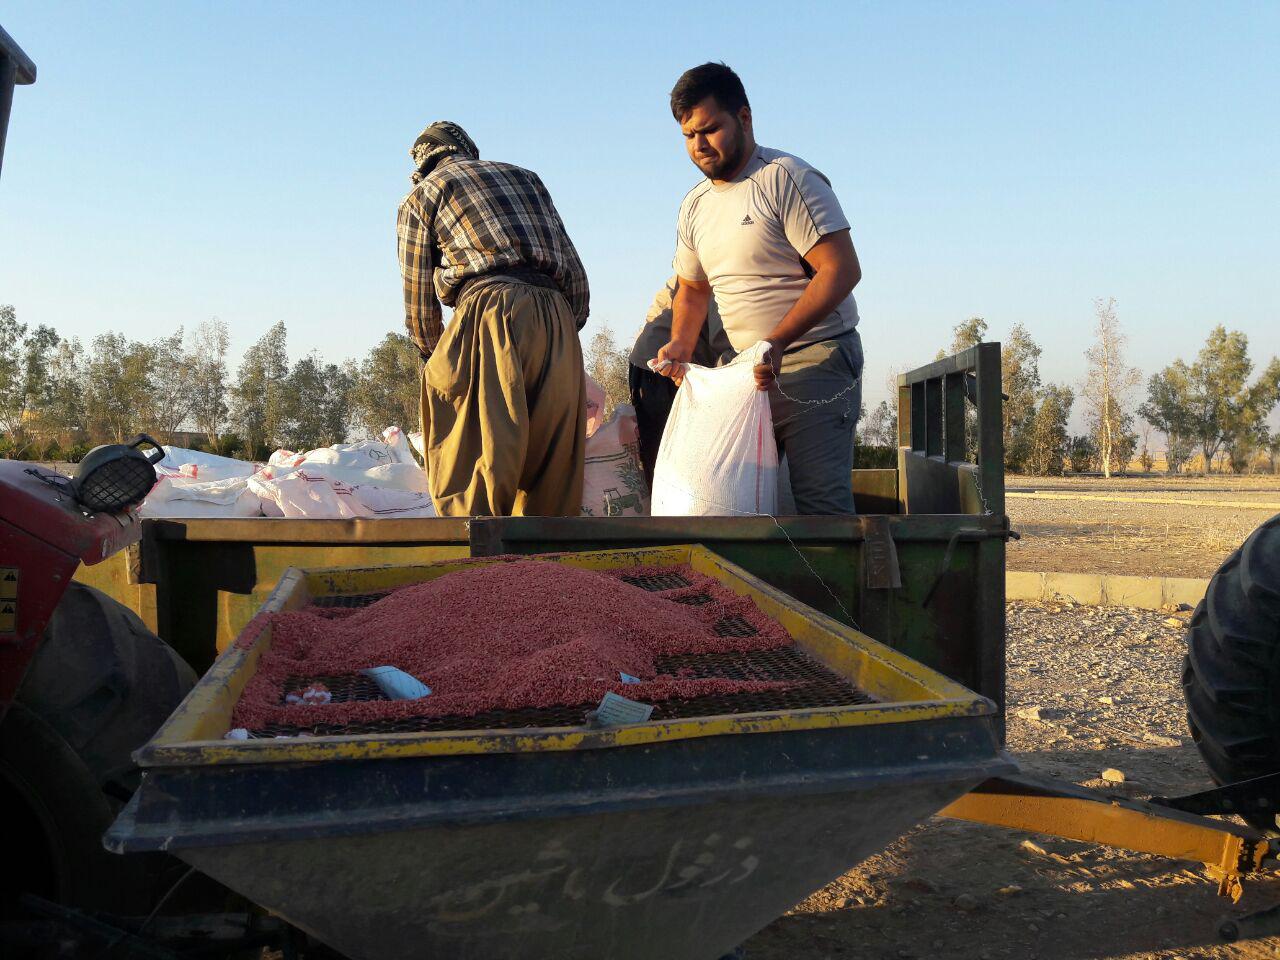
x=442 y=139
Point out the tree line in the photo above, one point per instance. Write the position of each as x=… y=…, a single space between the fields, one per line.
x=59 y=396
x=1212 y=412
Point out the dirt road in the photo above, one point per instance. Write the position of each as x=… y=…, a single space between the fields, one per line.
x=953 y=889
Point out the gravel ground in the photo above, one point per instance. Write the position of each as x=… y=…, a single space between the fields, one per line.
x=1090 y=688
x=1131 y=537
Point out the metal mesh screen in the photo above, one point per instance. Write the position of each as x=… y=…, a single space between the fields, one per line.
x=352 y=600
x=813 y=684
x=657 y=582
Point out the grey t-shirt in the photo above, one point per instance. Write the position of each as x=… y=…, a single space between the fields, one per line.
x=712 y=343
x=747 y=238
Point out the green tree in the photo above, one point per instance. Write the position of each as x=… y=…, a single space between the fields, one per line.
x=1106 y=389
x=25 y=354
x=879 y=428
x=386 y=390
x=64 y=410
x=1020 y=378
x=965 y=334
x=1047 y=438
x=1167 y=408
x=171 y=383
x=1241 y=449
x=1211 y=401
x=1178 y=450
x=118 y=389
x=206 y=361
x=316 y=405
x=609 y=367
x=1271 y=447
x=258 y=397
x=1082 y=454
x=1123 y=443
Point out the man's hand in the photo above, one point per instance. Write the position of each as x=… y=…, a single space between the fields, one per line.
x=688 y=314
x=672 y=359
x=768 y=372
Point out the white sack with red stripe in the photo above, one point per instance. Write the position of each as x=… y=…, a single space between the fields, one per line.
x=200 y=466
x=305 y=494
x=718 y=456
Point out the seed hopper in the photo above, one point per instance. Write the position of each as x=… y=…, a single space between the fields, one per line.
x=532 y=834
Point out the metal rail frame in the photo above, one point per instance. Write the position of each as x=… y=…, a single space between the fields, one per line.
x=932 y=405
x=936 y=477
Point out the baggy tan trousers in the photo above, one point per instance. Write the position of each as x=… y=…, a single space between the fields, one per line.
x=504 y=408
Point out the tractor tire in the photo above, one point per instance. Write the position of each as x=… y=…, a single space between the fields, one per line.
x=98 y=688
x=1231 y=675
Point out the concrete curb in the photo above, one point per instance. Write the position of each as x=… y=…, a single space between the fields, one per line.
x=1149 y=593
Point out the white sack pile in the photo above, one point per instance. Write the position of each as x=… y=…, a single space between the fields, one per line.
x=367 y=479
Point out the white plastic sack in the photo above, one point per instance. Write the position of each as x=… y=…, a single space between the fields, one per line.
x=299 y=494
x=395 y=440
x=305 y=493
x=361 y=455
x=356 y=464
x=179 y=497
x=393 y=476
x=718 y=455
x=389 y=502
x=613 y=479
x=198 y=465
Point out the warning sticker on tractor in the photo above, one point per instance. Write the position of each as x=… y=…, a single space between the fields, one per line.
x=8 y=583
x=8 y=616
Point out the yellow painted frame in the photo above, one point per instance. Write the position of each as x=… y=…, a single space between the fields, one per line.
x=905 y=690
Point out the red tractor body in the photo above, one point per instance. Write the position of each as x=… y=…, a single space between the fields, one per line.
x=44 y=536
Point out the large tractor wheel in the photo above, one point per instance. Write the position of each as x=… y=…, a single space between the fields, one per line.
x=1231 y=676
x=99 y=686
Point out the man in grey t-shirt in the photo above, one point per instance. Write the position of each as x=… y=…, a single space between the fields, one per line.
x=764 y=234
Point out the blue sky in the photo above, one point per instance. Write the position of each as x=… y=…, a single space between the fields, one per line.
x=177 y=161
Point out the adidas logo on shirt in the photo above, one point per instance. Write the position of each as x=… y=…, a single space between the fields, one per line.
x=747 y=221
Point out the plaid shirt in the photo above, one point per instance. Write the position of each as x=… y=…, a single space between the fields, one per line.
x=472 y=217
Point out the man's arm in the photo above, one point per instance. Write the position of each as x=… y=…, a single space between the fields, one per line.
x=688 y=314
x=421 y=308
x=571 y=275
x=836 y=272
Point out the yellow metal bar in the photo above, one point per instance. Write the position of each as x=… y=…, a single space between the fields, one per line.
x=534 y=739
x=205 y=713
x=1064 y=810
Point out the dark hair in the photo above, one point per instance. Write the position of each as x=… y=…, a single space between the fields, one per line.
x=709 y=80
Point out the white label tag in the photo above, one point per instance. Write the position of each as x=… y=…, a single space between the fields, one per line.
x=615 y=711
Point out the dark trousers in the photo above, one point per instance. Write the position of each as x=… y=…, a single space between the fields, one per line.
x=652 y=395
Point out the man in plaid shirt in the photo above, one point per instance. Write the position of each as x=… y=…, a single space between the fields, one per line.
x=503 y=404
